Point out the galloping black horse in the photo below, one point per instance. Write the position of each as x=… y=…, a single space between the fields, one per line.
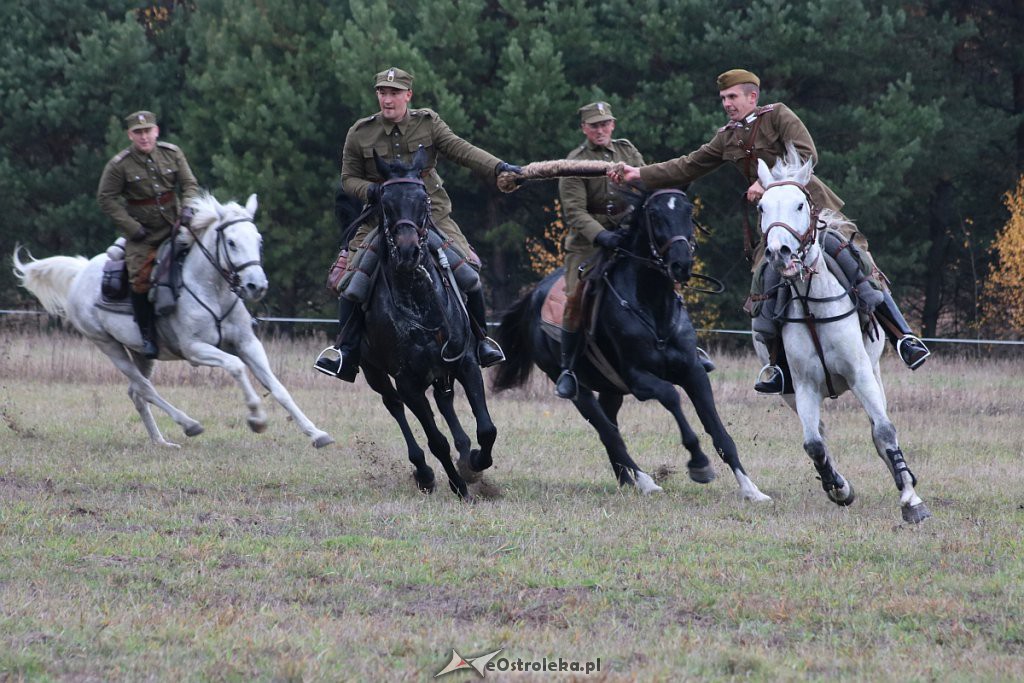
x=644 y=333
x=418 y=334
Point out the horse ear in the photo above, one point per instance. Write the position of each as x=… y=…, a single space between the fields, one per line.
x=382 y=167
x=250 y=205
x=764 y=175
x=420 y=160
x=803 y=175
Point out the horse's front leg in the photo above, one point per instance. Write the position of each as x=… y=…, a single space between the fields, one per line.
x=697 y=386
x=472 y=381
x=416 y=400
x=883 y=433
x=808 y=407
x=626 y=471
x=206 y=354
x=252 y=353
x=444 y=398
x=380 y=382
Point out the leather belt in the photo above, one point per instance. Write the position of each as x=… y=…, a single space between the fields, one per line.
x=165 y=198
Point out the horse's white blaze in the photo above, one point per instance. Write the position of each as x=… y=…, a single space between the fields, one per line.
x=672 y=204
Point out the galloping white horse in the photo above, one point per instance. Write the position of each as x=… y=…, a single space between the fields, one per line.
x=221 y=269
x=828 y=352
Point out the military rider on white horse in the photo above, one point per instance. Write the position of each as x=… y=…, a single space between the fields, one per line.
x=763 y=132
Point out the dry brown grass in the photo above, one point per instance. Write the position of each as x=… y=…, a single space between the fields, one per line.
x=245 y=556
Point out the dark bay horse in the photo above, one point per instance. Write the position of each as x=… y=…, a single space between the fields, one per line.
x=418 y=334
x=644 y=332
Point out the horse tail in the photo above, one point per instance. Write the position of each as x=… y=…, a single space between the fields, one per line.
x=516 y=338
x=49 y=279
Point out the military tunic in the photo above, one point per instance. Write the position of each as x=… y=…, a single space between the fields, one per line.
x=777 y=126
x=399 y=142
x=137 y=191
x=590 y=205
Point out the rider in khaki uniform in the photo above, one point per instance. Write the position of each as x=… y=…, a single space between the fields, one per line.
x=138 y=192
x=754 y=133
x=396 y=132
x=592 y=209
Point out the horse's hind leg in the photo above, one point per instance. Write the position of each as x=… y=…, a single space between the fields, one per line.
x=883 y=433
x=626 y=471
x=138 y=370
x=379 y=382
x=698 y=390
x=838 y=489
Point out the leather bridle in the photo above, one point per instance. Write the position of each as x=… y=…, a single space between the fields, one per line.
x=420 y=228
x=804 y=239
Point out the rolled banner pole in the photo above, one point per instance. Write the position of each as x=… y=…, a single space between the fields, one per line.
x=554 y=168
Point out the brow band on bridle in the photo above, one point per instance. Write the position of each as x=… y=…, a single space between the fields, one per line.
x=660 y=251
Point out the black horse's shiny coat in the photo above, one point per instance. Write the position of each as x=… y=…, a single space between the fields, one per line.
x=643 y=330
x=418 y=335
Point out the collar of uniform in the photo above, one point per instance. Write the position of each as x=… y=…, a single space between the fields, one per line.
x=139 y=156
x=389 y=127
x=598 y=148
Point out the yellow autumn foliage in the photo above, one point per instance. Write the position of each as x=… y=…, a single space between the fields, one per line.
x=1003 y=292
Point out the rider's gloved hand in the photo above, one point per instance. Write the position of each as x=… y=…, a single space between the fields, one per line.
x=609 y=239
x=373 y=193
x=504 y=167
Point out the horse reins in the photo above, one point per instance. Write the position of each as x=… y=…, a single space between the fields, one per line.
x=230 y=275
x=805 y=240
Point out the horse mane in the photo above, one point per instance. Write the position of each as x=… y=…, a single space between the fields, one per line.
x=792 y=167
x=207 y=212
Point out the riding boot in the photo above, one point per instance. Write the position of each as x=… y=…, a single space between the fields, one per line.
x=487 y=350
x=567 y=386
x=145 y=318
x=868 y=298
x=909 y=346
x=776 y=380
x=342 y=359
x=767 y=329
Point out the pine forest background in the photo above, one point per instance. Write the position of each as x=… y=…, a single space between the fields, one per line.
x=917 y=109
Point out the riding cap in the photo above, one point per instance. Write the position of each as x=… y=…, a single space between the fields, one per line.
x=140 y=119
x=735 y=77
x=393 y=78
x=595 y=112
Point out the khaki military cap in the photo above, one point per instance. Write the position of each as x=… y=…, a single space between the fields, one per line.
x=735 y=77
x=393 y=78
x=140 y=119
x=596 y=112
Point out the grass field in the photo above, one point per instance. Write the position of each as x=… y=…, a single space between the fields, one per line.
x=248 y=556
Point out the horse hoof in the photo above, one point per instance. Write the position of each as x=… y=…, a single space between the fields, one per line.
x=702 y=475
x=479 y=461
x=194 y=430
x=842 y=496
x=257 y=425
x=322 y=440
x=915 y=514
x=426 y=483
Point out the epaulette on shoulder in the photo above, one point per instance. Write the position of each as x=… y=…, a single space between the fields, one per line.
x=429 y=113
x=168 y=145
x=624 y=141
x=761 y=111
x=121 y=155
x=362 y=122
x=576 y=151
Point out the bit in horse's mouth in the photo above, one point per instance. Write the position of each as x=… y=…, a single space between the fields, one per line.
x=790 y=270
